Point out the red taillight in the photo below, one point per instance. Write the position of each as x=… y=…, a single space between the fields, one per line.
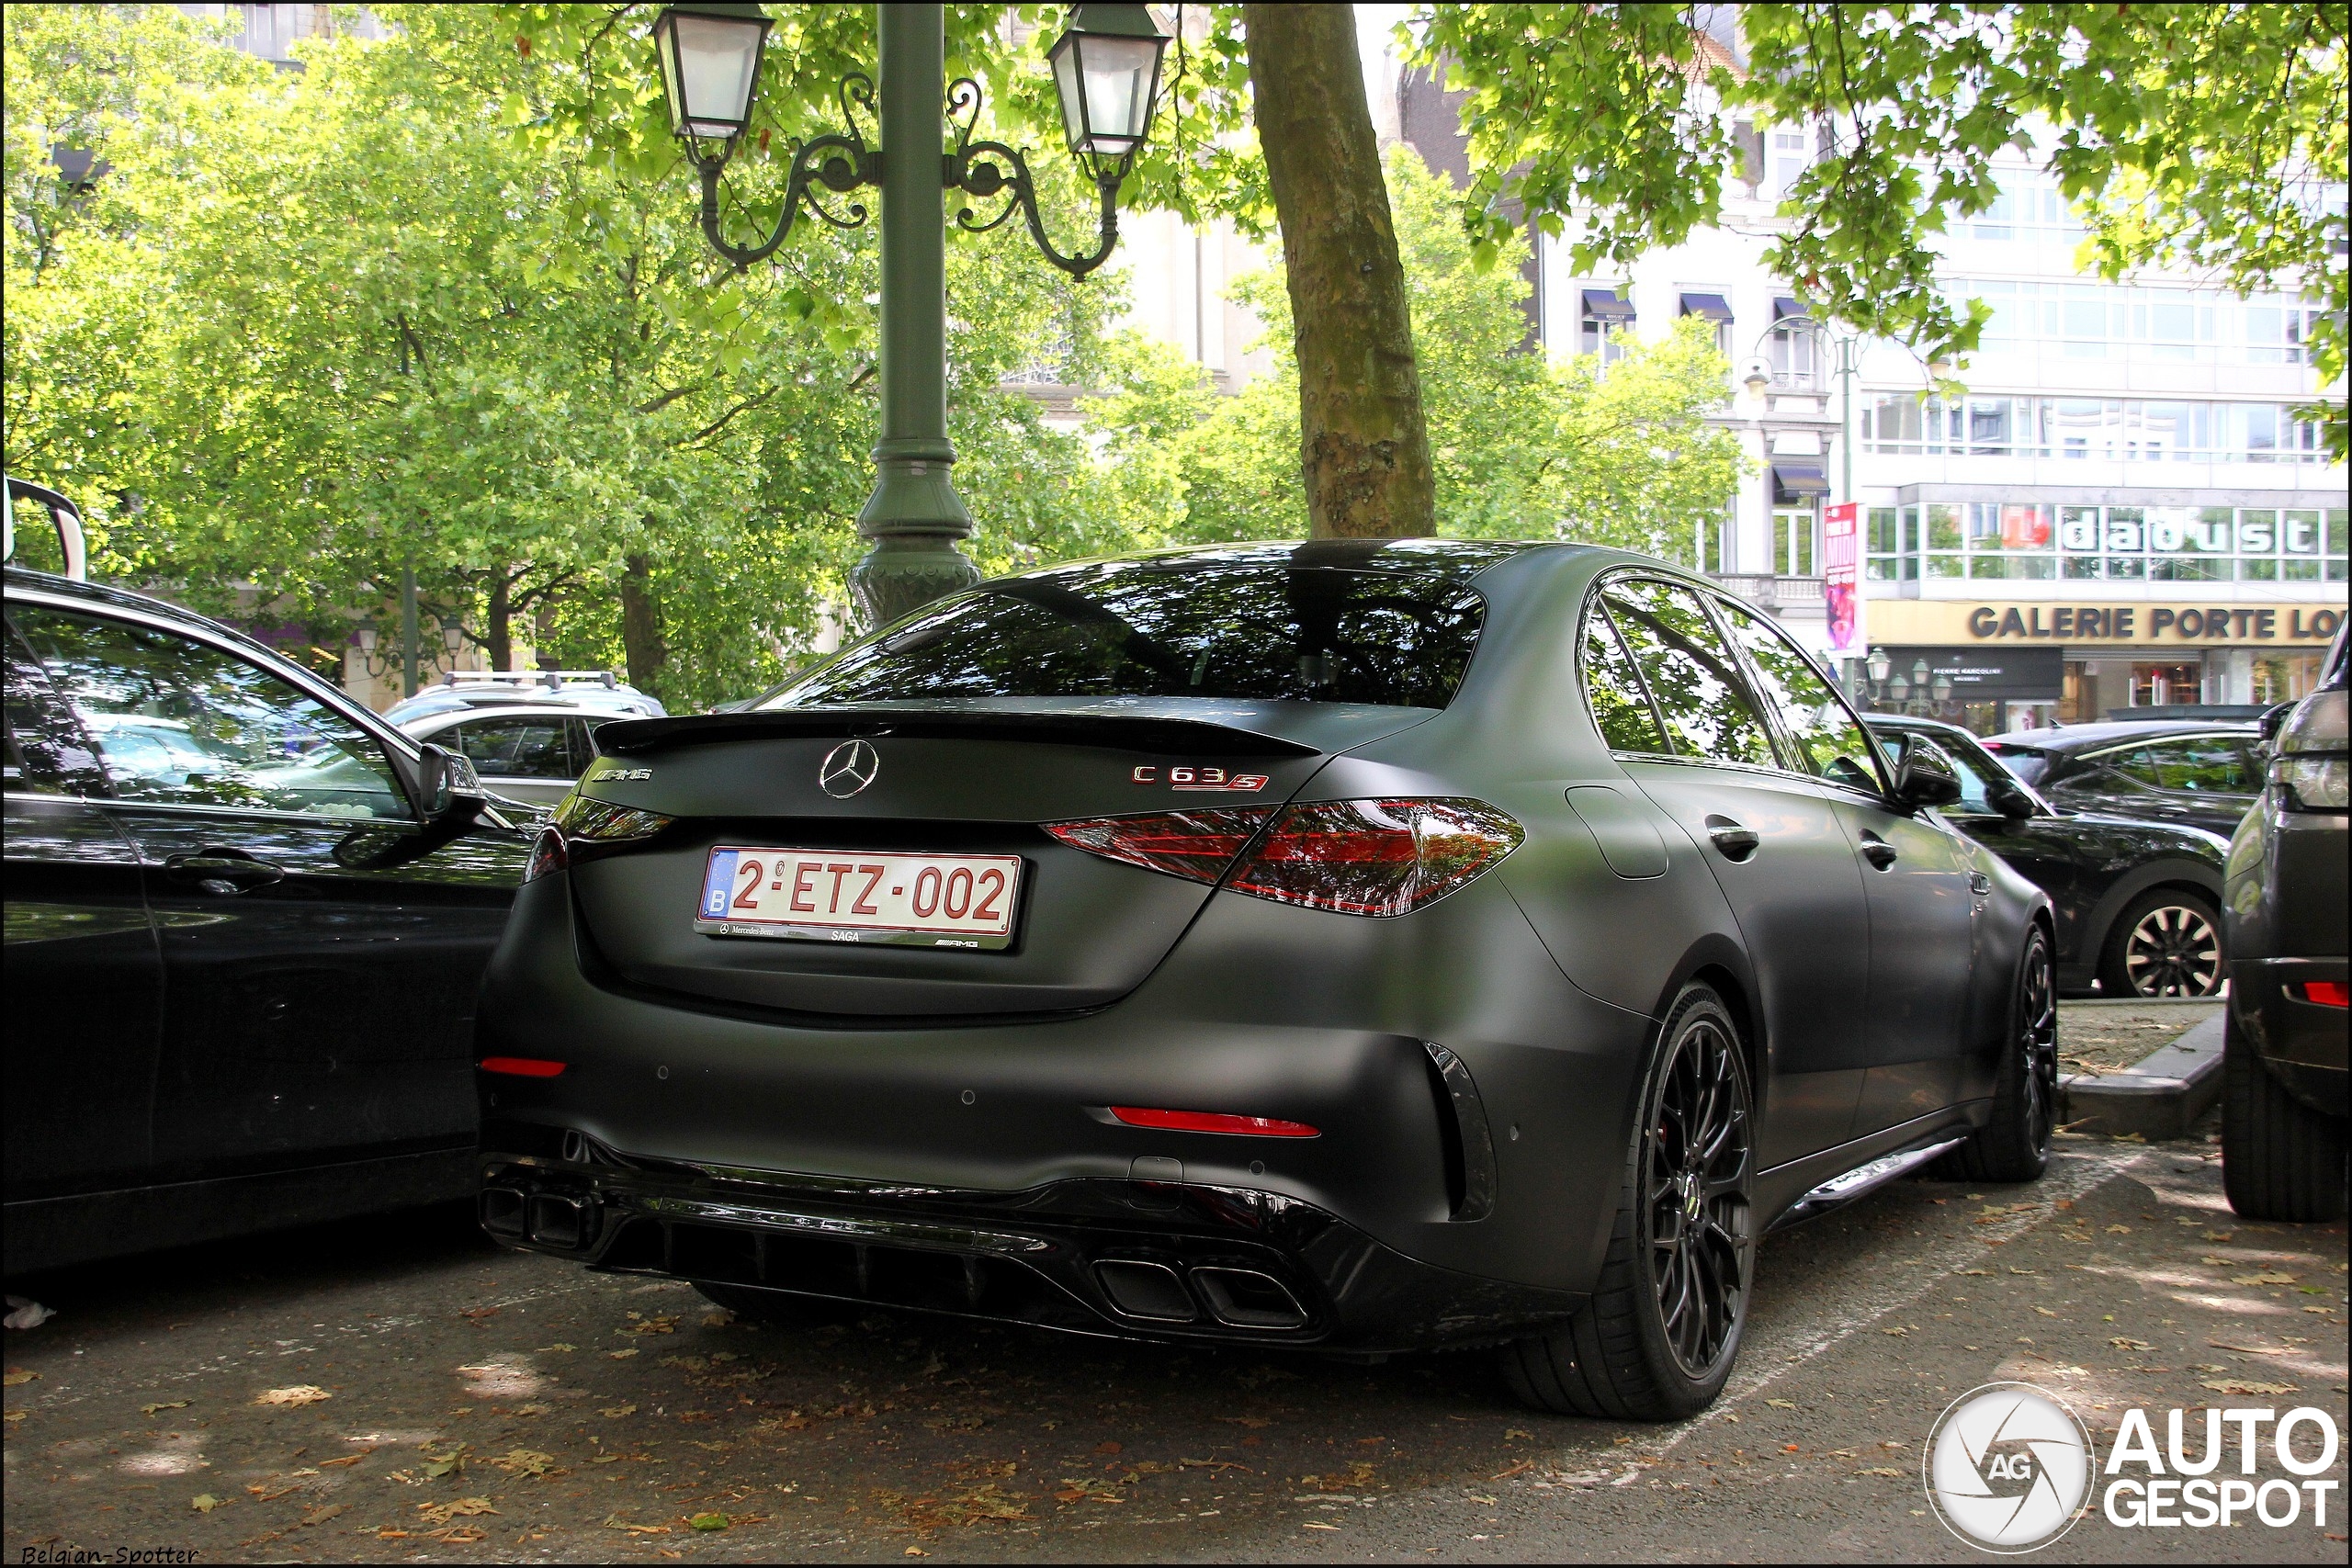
x=2327 y=993
x=546 y=855
x=1196 y=845
x=1213 y=1122
x=1375 y=857
x=521 y=1067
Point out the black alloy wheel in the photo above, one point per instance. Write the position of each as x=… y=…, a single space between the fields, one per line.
x=2168 y=943
x=1661 y=1333
x=2014 y=1145
x=1696 y=1170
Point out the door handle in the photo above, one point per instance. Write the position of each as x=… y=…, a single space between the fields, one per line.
x=219 y=870
x=1735 y=840
x=1980 y=884
x=1877 y=850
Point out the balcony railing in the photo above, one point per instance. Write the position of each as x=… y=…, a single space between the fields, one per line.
x=1770 y=592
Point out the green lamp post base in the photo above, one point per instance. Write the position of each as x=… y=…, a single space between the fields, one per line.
x=914 y=518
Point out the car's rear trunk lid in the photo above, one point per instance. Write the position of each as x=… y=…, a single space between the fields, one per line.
x=968 y=777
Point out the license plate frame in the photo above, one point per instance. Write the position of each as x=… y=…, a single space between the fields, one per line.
x=835 y=882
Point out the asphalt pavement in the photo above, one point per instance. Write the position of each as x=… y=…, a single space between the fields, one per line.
x=396 y=1390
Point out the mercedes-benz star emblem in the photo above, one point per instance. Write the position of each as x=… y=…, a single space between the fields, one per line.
x=847 y=768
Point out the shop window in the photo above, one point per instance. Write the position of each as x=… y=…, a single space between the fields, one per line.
x=2161 y=685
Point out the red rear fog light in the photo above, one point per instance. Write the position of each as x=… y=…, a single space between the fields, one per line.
x=1213 y=1122
x=521 y=1067
x=2327 y=993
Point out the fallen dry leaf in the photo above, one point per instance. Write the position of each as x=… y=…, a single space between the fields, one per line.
x=711 y=1521
x=204 y=1502
x=320 y=1516
x=17 y=1377
x=1781 y=1404
x=1253 y=1422
x=162 y=1405
x=559 y=1346
x=2125 y=1342
x=1878 y=1469
x=347 y=1458
x=458 y=1535
x=614 y=1412
x=1521 y=1468
x=620 y=1355
x=527 y=1461
x=462 y=1507
x=2247 y=1385
x=300 y=1393
x=2267 y=1277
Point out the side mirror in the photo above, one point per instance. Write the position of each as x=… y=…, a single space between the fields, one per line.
x=1924 y=776
x=2273 y=718
x=2010 y=800
x=451 y=787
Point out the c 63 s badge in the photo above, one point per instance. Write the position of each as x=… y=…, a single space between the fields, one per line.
x=1202 y=780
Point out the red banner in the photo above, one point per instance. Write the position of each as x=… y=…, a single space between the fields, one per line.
x=1842 y=547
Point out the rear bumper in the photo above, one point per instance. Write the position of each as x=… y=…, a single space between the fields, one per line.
x=1261 y=1011
x=1180 y=1262
x=2304 y=1044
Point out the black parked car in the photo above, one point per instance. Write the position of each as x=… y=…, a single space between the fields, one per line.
x=2150 y=770
x=1355 y=944
x=2283 y=1110
x=246 y=921
x=2138 y=903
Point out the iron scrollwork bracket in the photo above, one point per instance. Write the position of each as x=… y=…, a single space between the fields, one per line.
x=989 y=169
x=837 y=162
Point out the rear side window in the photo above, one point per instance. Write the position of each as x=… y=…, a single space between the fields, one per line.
x=1140 y=628
x=1619 y=706
x=2023 y=761
x=2206 y=765
x=1689 y=672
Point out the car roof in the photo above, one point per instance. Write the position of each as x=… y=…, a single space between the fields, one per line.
x=2076 y=738
x=124 y=599
x=1459 y=558
x=443 y=717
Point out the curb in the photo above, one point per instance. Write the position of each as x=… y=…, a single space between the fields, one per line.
x=2159 y=1096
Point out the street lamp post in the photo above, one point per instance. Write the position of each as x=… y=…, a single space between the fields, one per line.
x=1107 y=74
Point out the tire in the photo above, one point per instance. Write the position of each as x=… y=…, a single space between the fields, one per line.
x=1659 y=1336
x=2280 y=1159
x=2015 y=1144
x=780 y=1308
x=2166 y=943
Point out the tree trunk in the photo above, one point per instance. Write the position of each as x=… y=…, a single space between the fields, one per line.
x=1363 y=448
x=501 y=641
x=649 y=651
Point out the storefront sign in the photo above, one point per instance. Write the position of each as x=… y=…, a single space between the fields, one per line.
x=1841 y=540
x=2015 y=674
x=1957 y=621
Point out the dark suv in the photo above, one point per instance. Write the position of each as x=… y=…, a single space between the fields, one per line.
x=246 y=919
x=2282 y=1123
x=2199 y=775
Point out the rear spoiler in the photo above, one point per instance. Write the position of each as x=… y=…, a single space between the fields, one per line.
x=1125 y=732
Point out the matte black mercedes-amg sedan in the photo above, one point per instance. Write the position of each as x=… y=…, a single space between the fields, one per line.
x=1354 y=945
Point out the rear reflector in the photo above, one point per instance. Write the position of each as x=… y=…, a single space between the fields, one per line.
x=520 y=1067
x=1375 y=857
x=1196 y=845
x=2327 y=993
x=1211 y=1121
x=546 y=855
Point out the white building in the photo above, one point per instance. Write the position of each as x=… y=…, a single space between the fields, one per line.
x=2120 y=511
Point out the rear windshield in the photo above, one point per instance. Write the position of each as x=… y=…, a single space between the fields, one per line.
x=1145 y=630
x=2023 y=761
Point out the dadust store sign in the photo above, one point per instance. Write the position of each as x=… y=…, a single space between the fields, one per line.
x=1957 y=621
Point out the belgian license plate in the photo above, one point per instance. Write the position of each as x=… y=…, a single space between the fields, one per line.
x=830 y=896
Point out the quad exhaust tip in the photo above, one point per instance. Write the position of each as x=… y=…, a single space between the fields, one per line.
x=1237 y=1298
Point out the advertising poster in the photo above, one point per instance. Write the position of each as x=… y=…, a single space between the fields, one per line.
x=1841 y=543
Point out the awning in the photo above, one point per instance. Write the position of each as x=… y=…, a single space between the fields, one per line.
x=1798 y=481
x=1787 y=306
x=1603 y=305
x=1715 y=307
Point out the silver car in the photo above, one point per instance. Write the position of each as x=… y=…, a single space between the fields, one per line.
x=526 y=751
